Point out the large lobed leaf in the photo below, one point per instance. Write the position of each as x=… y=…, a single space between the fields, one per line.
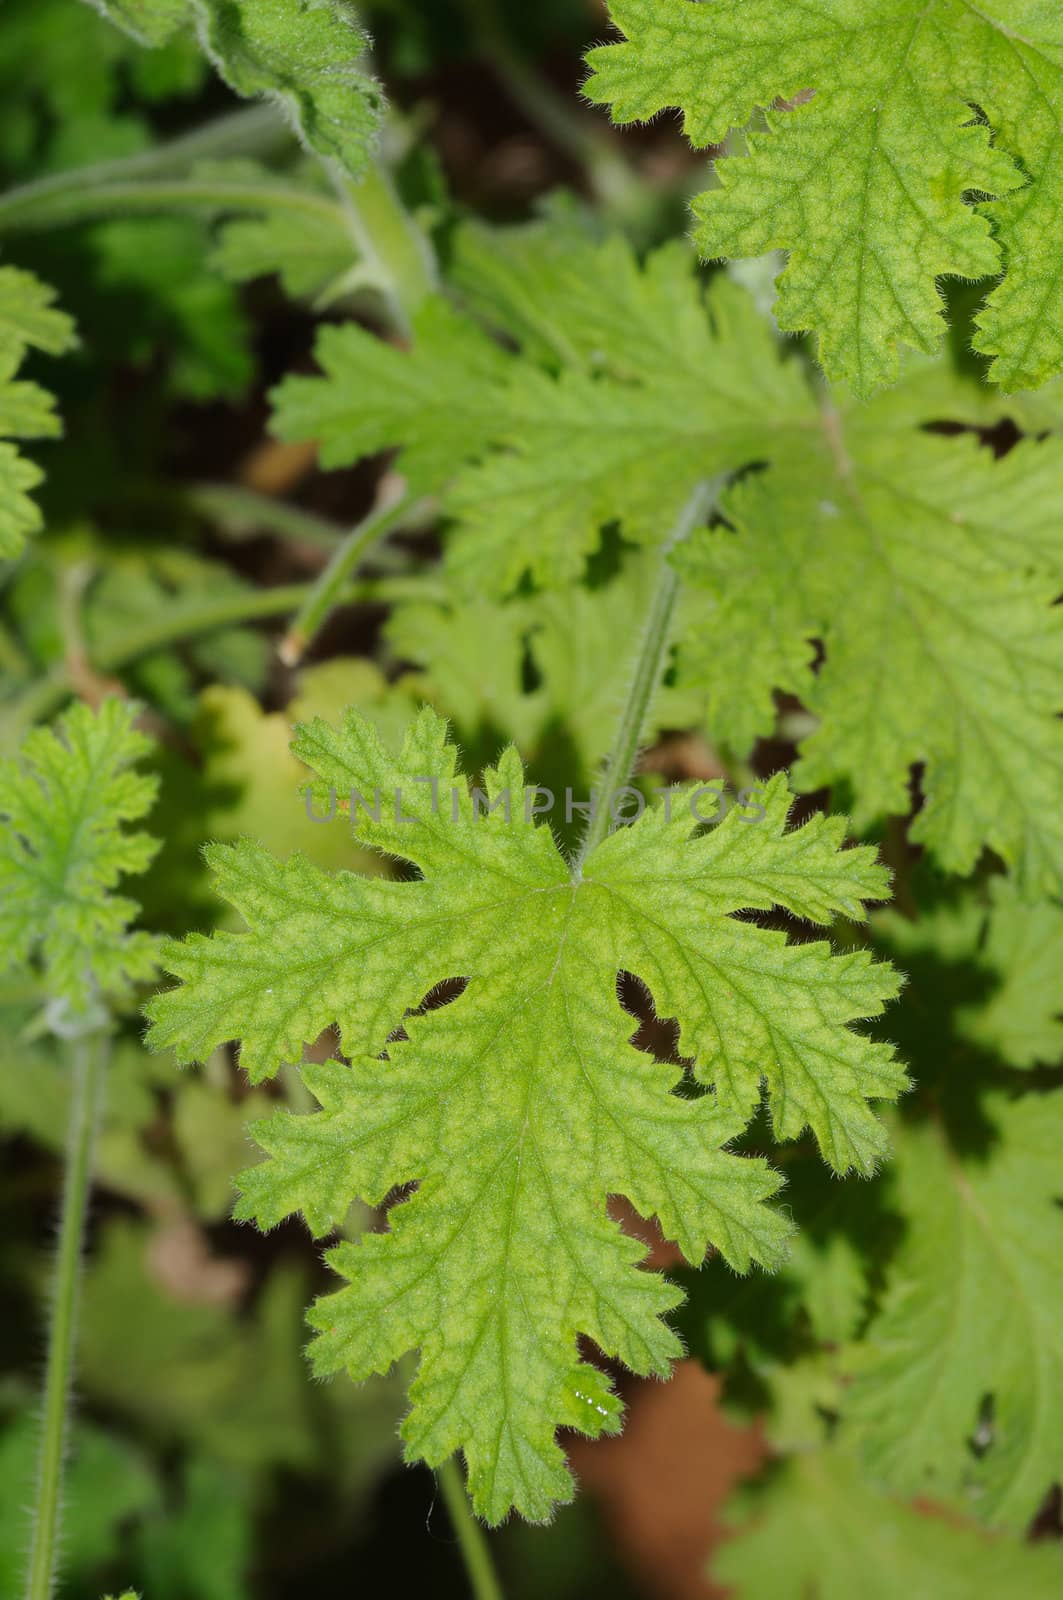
x=925 y=568
x=521 y=1106
x=607 y=414
x=869 y=156
x=928 y=572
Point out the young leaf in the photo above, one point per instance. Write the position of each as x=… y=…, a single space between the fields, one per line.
x=958 y=1388
x=816 y=1527
x=929 y=572
x=521 y=1106
x=309 y=55
x=63 y=802
x=28 y=318
x=870 y=151
x=621 y=423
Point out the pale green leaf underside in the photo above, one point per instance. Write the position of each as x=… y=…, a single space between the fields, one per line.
x=520 y=1106
x=929 y=573
x=308 y=55
x=28 y=319
x=63 y=802
x=867 y=179
x=607 y=417
x=820 y=1529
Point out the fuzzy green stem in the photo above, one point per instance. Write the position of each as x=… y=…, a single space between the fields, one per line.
x=240 y=512
x=228 y=610
x=169 y=628
x=647 y=673
x=389 y=244
x=38 y=206
x=251 y=132
x=89 y=1056
x=475 y=1552
x=327 y=591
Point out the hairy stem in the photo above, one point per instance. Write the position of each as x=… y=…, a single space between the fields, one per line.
x=475 y=1552
x=394 y=508
x=388 y=242
x=168 y=628
x=239 y=512
x=647 y=671
x=48 y=205
x=255 y=131
x=89 y=1058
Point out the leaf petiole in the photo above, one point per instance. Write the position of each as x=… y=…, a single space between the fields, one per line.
x=647 y=671
x=475 y=1551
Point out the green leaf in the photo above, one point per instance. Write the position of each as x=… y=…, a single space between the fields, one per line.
x=28 y=319
x=308 y=55
x=816 y=1528
x=133 y=584
x=521 y=1106
x=864 y=160
x=1017 y=948
x=957 y=1392
x=929 y=573
x=63 y=802
x=373 y=396
x=475 y=653
x=210 y=1131
x=633 y=408
x=205 y=1547
x=306 y=252
x=157 y=266
x=149 y=22
x=253 y=781
x=73 y=89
